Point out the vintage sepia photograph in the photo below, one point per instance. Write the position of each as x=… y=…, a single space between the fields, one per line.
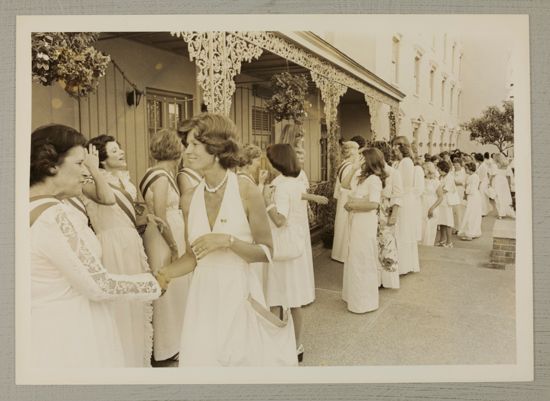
x=305 y=198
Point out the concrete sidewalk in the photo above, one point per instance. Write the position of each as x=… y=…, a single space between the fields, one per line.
x=455 y=311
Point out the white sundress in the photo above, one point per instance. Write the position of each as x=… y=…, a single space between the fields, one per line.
x=221 y=328
x=360 y=281
x=168 y=311
x=340 y=242
x=289 y=281
x=123 y=253
x=471 y=222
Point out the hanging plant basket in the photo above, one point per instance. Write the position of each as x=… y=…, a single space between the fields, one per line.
x=289 y=97
x=69 y=58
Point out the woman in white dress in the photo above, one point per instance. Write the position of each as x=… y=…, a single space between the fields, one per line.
x=389 y=209
x=500 y=182
x=446 y=194
x=418 y=185
x=289 y=280
x=71 y=324
x=123 y=253
x=484 y=179
x=250 y=160
x=227 y=322
x=306 y=197
x=470 y=227
x=460 y=181
x=165 y=243
x=406 y=231
x=350 y=152
x=360 y=282
x=429 y=197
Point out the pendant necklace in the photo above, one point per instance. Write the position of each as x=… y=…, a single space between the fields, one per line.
x=212 y=190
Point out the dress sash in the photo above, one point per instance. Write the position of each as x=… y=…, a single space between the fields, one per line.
x=343 y=166
x=191 y=174
x=151 y=176
x=125 y=202
x=246 y=176
x=37 y=211
x=78 y=205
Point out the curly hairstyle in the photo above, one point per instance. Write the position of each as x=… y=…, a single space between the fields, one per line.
x=359 y=140
x=183 y=130
x=165 y=145
x=471 y=166
x=219 y=135
x=282 y=157
x=248 y=153
x=100 y=142
x=49 y=146
x=444 y=166
x=373 y=164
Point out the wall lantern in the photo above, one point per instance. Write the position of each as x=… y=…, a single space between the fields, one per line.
x=133 y=97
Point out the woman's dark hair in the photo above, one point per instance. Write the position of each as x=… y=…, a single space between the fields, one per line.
x=457 y=160
x=283 y=158
x=183 y=130
x=49 y=145
x=373 y=164
x=478 y=157
x=219 y=135
x=100 y=142
x=470 y=166
x=248 y=153
x=359 y=140
x=486 y=155
x=405 y=150
x=444 y=166
x=385 y=148
x=435 y=159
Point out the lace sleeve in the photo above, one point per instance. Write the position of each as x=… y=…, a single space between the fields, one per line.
x=84 y=271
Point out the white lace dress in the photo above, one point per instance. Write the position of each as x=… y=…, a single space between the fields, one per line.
x=305 y=222
x=72 y=325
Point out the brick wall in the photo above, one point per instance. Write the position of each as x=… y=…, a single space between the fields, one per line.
x=503 y=253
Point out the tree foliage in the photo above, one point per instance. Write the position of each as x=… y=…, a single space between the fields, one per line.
x=495 y=126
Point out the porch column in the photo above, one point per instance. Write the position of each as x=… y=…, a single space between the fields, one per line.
x=331 y=92
x=218 y=56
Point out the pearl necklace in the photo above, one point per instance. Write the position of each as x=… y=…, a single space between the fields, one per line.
x=212 y=190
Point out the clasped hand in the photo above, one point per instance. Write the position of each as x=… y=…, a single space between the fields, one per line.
x=208 y=243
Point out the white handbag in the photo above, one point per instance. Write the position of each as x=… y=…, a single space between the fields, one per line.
x=288 y=242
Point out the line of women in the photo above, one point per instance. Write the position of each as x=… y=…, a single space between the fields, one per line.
x=231 y=297
x=377 y=208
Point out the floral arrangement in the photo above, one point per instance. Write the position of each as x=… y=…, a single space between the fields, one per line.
x=289 y=97
x=70 y=58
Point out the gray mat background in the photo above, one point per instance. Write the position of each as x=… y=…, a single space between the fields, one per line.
x=539 y=390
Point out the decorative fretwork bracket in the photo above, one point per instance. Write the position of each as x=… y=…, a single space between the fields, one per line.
x=218 y=56
x=331 y=92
